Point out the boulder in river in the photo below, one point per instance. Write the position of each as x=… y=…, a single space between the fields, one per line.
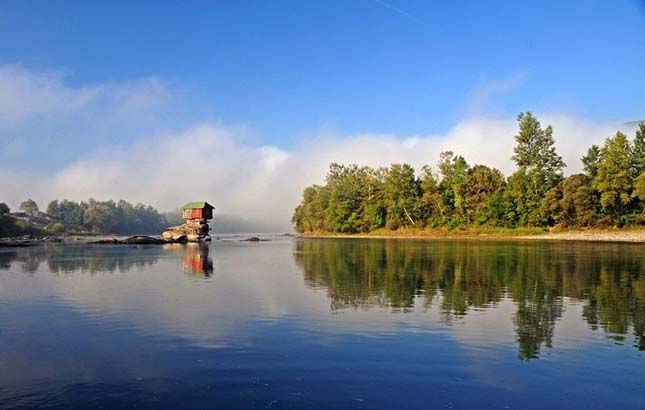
x=196 y=231
x=133 y=240
x=254 y=239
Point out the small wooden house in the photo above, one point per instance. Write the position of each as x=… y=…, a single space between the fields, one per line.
x=197 y=210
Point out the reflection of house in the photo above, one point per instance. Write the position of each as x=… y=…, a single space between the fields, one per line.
x=196 y=260
x=195 y=211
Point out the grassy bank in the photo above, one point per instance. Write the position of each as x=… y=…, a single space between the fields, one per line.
x=632 y=234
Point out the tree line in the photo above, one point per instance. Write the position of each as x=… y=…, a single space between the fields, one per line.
x=100 y=217
x=610 y=192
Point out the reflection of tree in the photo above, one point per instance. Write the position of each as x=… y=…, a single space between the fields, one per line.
x=535 y=284
x=464 y=280
x=64 y=258
x=535 y=320
x=617 y=303
x=30 y=258
x=465 y=275
x=364 y=273
x=100 y=258
x=6 y=257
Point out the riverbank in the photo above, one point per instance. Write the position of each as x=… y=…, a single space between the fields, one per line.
x=634 y=235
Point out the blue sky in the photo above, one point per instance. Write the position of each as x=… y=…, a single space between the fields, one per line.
x=289 y=67
x=80 y=79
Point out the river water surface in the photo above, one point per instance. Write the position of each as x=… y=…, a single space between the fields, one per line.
x=323 y=324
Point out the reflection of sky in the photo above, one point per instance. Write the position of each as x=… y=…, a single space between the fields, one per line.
x=154 y=322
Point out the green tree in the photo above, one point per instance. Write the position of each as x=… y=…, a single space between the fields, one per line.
x=7 y=223
x=613 y=181
x=309 y=216
x=430 y=206
x=479 y=184
x=535 y=148
x=639 y=188
x=639 y=150
x=522 y=205
x=591 y=160
x=374 y=208
x=101 y=217
x=579 y=201
x=540 y=169
x=69 y=213
x=29 y=206
x=571 y=203
x=346 y=198
x=401 y=191
x=639 y=199
x=453 y=170
x=551 y=205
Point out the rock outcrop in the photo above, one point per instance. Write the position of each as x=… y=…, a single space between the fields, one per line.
x=133 y=240
x=193 y=231
x=254 y=239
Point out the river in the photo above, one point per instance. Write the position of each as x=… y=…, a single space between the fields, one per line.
x=323 y=324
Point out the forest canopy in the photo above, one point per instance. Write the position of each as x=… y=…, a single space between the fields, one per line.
x=610 y=192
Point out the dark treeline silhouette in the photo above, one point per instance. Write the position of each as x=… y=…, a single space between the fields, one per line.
x=10 y=226
x=100 y=217
x=107 y=216
x=461 y=276
x=611 y=192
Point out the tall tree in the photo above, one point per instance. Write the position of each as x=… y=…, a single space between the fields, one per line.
x=535 y=149
x=540 y=168
x=614 y=182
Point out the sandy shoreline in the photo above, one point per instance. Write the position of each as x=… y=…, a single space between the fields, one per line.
x=637 y=236
x=626 y=235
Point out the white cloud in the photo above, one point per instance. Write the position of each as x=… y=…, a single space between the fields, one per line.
x=214 y=162
x=45 y=120
x=26 y=95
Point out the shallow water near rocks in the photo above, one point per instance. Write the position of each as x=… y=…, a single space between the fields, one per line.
x=323 y=324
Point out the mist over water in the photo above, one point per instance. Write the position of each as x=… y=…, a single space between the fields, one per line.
x=380 y=323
